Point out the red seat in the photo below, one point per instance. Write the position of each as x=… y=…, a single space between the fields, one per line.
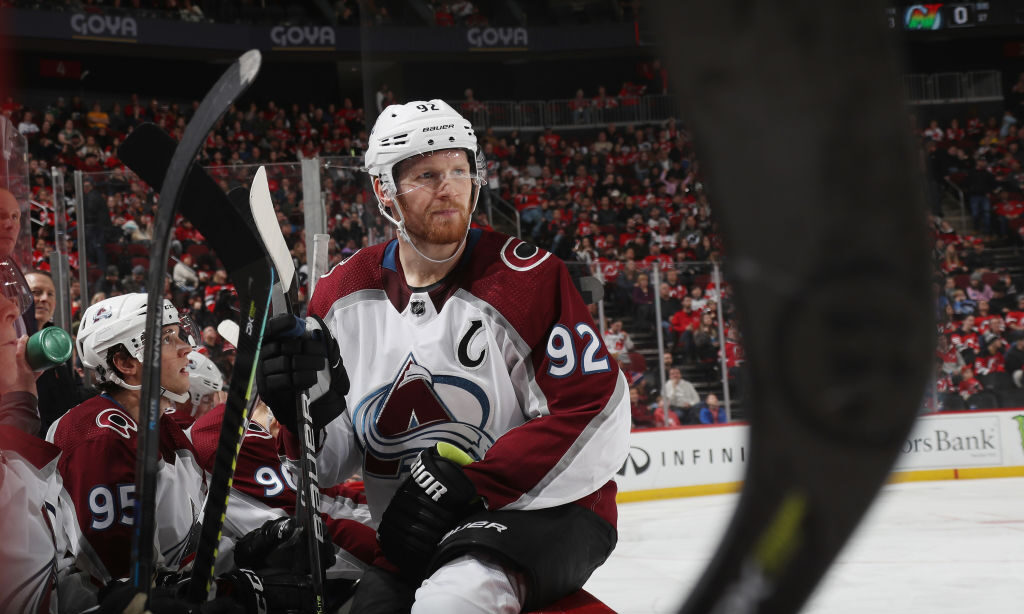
x=962 y=280
x=113 y=250
x=197 y=250
x=140 y=260
x=137 y=250
x=637 y=362
x=989 y=278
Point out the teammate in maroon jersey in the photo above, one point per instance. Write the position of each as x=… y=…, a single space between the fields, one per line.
x=98 y=437
x=475 y=393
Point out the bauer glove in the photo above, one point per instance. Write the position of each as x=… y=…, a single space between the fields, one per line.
x=278 y=543
x=426 y=506
x=299 y=356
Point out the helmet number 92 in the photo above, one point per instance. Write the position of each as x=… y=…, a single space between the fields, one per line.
x=563 y=357
x=430 y=106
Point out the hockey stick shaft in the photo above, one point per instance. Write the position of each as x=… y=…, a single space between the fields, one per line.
x=261 y=209
x=147 y=151
x=824 y=225
x=227 y=89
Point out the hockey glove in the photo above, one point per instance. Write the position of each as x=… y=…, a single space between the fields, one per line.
x=299 y=356
x=278 y=543
x=426 y=506
x=268 y=591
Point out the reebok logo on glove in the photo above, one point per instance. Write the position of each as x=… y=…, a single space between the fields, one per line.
x=426 y=480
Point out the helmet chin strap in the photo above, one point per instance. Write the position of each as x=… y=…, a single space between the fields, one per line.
x=164 y=392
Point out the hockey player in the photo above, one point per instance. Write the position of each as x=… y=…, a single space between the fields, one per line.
x=484 y=411
x=205 y=382
x=98 y=437
x=263 y=498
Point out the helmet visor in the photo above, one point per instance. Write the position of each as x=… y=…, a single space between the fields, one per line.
x=433 y=170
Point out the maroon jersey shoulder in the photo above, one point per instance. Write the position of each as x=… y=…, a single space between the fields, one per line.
x=95 y=419
x=34 y=450
x=360 y=271
x=505 y=269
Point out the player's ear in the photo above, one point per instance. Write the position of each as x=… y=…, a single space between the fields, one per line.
x=126 y=364
x=383 y=194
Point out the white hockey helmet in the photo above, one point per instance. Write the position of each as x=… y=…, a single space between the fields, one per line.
x=121 y=320
x=418 y=127
x=203 y=376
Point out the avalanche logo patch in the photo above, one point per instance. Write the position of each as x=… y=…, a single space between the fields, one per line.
x=415 y=410
x=116 y=421
x=522 y=256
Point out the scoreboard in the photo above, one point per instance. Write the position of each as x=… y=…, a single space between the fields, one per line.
x=937 y=16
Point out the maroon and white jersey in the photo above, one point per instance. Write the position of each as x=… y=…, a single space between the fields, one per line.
x=264 y=487
x=501 y=358
x=41 y=561
x=98 y=442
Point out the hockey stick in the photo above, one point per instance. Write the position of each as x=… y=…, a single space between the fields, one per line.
x=261 y=209
x=225 y=91
x=828 y=254
x=146 y=151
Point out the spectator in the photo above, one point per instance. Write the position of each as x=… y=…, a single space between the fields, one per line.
x=979 y=185
x=60 y=388
x=617 y=341
x=664 y=416
x=680 y=396
x=642 y=415
x=184 y=275
x=111 y=284
x=976 y=291
x=1014 y=359
x=705 y=338
x=136 y=282
x=712 y=413
x=27 y=126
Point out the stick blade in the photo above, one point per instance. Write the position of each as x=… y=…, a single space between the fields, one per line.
x=262 y=206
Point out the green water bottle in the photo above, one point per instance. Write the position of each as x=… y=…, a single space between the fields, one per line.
x=48 y=348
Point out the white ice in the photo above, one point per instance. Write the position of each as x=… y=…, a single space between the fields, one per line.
x=924 y=547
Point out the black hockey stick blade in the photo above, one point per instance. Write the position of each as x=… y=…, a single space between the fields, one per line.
x=231 y=84
x=798 y=117
x=147 y=151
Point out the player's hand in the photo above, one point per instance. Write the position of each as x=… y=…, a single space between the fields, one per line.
x=299 y=356
x=267 y=591
x=426 y=506
x=278 y=543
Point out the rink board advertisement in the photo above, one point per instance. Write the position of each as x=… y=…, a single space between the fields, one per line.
x=703 y=460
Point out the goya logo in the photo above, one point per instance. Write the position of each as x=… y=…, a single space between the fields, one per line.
x=1020 y=427
x=923 y=17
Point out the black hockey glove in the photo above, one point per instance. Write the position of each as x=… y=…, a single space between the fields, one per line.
x=278 y=543
x=426 y=506
x=268 y=591
x=299 y=356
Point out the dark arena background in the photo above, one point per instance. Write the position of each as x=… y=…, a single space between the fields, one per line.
x=590 y=114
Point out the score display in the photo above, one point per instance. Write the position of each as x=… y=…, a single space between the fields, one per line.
x=934 y=16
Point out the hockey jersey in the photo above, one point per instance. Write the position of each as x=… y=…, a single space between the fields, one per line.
x=41 y=561
x=263 y=488
x=501 y=359
x=98 y=441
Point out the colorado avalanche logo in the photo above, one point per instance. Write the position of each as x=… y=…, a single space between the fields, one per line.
x=521 y=256
x=102 y=314
x=418 y=409
x=116 y=421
